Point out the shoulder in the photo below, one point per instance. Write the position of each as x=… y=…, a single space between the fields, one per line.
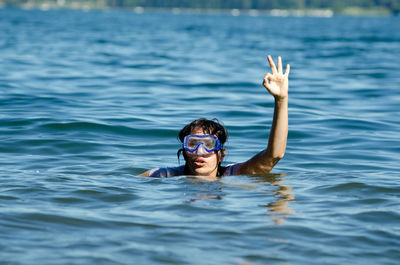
x=232 y=169
x=166 y=172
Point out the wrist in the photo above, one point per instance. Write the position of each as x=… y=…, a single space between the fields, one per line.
x=281 y=99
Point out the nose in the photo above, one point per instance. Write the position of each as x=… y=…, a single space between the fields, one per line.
x=200 y=150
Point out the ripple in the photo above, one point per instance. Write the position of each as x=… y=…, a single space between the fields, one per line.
x=92 y=99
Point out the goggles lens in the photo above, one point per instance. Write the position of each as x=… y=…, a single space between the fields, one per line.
x=193 y=141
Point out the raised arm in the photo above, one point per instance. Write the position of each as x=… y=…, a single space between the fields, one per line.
x=277 y=85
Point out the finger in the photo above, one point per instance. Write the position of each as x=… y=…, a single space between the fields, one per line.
x=287 y=70
x=279 y=64
x=272 y=64
x=267 y=79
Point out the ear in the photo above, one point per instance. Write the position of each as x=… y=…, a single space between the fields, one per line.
x=184 y=155
x=221 y=155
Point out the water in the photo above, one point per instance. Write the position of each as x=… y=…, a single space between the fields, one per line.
x=89 y=100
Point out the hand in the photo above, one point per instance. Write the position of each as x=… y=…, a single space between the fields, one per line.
x=277 y=83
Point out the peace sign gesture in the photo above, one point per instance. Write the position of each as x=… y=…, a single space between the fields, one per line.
x=277 y=83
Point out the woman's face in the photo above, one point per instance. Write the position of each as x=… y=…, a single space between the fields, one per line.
x=202 y=165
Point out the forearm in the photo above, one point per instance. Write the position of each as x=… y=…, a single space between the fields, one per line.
x=264 y=161
x=279 y=130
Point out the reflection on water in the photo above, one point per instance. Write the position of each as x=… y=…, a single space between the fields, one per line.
x=204 y=196
x=211 y=192
x=278 y=209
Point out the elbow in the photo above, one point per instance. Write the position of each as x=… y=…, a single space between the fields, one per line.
x=271 y=163
x=275 y=159
x=275 y=154
x=280 y=156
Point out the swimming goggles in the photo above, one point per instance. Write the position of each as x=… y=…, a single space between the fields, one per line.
x=209 y=142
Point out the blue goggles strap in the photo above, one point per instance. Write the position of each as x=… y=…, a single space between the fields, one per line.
x=218 y=145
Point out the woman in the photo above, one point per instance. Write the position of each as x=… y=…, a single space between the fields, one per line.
x=203 y=140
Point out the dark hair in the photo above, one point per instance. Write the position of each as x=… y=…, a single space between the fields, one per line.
x=213 y=127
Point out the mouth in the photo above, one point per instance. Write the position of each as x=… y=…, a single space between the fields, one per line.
x=199 y=162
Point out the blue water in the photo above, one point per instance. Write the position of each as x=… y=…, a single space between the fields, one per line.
x=89 y=100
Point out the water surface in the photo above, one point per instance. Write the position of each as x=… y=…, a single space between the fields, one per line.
x=89 y=100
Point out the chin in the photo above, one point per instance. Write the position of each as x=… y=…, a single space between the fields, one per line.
x=202 y=172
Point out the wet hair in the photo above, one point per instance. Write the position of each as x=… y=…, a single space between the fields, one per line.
x=213 y=127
